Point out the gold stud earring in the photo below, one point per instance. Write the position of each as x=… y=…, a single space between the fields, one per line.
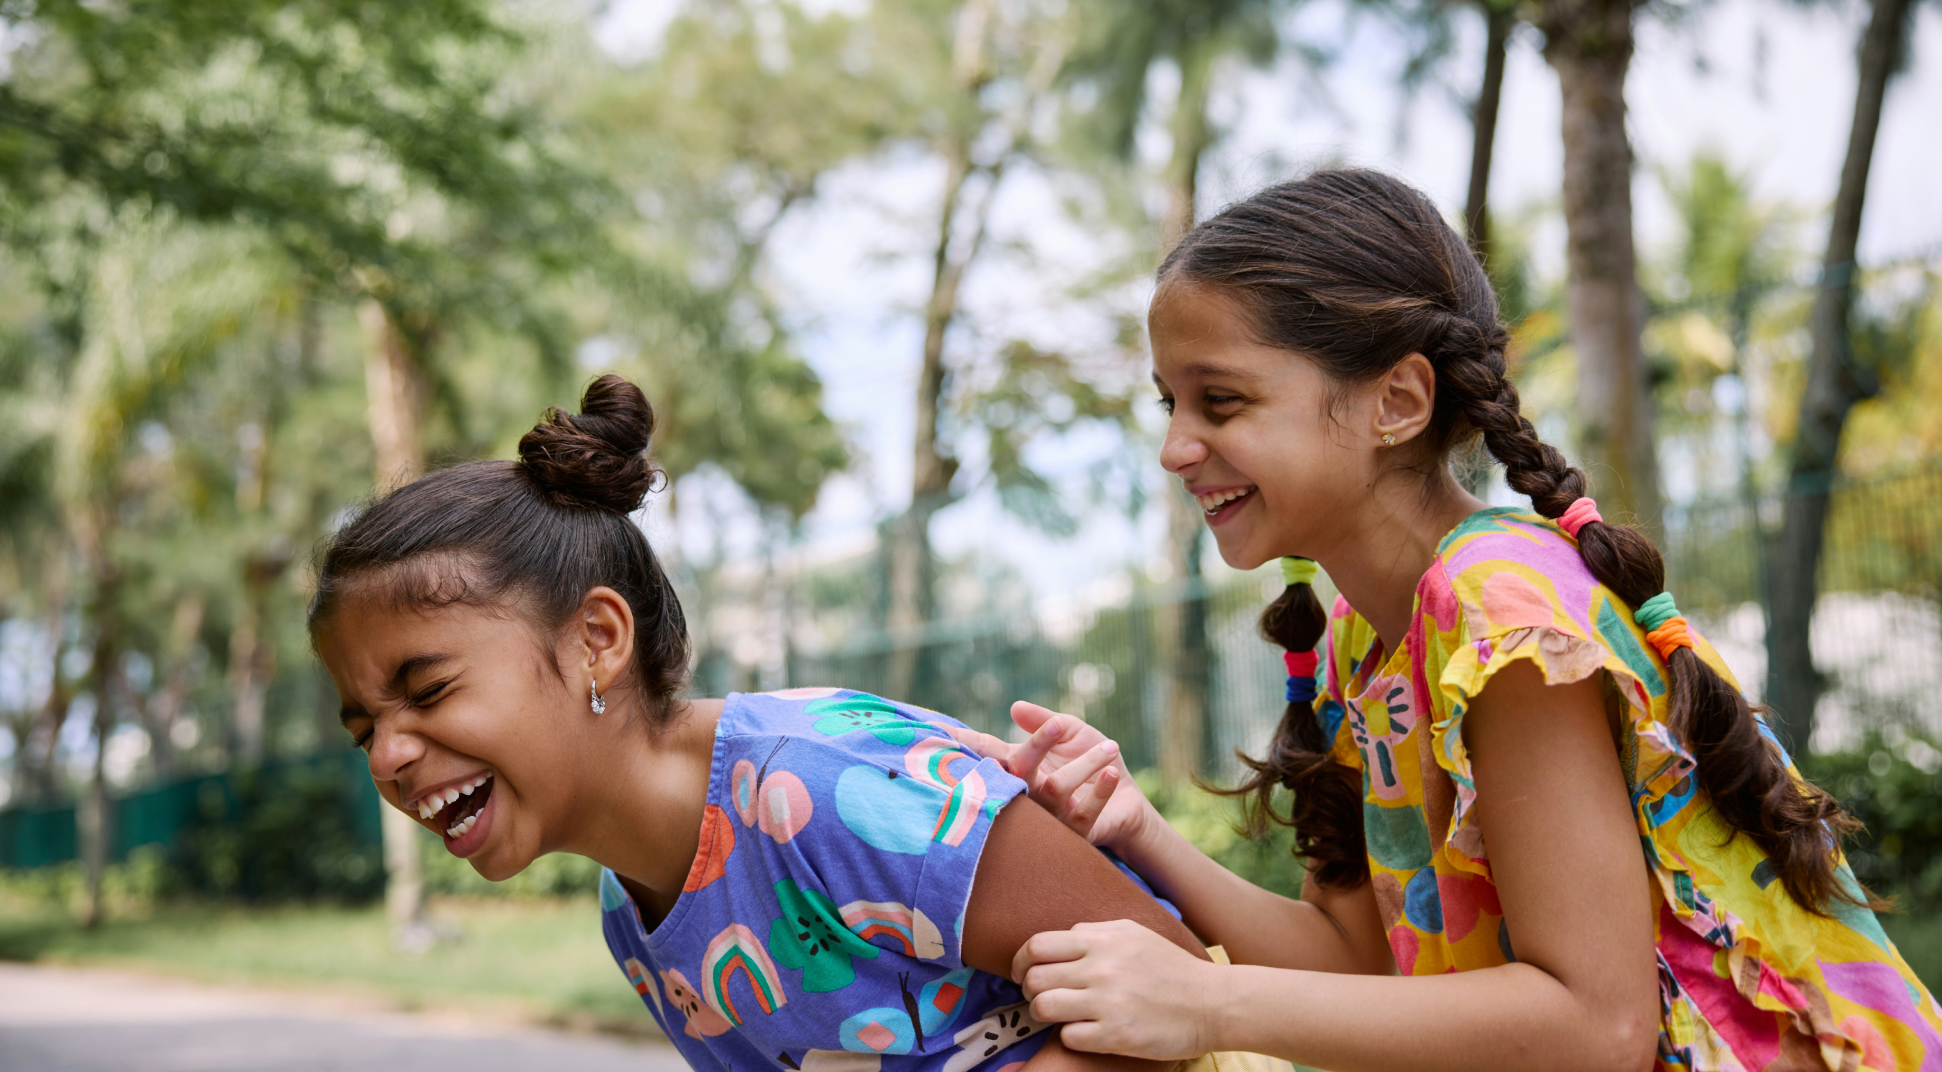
x=1388 y=439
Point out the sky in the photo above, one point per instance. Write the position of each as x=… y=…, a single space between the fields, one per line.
x=1769 y=86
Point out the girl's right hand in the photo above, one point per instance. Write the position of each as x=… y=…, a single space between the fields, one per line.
x=1074 y=771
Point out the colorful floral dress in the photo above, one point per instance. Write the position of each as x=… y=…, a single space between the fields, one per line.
x=1747 y=979
x=819 y=926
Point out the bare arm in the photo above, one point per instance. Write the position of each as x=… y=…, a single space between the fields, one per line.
x=1563 y=846
x=1077 y=774
x=1035 y=875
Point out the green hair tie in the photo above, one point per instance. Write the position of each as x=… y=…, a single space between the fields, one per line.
x=1655 y=612
x=1296 y=570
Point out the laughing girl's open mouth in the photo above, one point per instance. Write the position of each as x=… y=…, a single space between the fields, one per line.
x=457 y=808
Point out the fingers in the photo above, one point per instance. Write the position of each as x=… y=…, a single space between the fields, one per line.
x=1047 y=947
x=1026 y=757
x=983 y=744
x=1070 y=778
x=1087 y=806
x=1030 y=716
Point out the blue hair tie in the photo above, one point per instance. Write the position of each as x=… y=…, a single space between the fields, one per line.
x=1301 y=689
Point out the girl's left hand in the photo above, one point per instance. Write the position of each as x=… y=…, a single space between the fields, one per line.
x=1120 y=988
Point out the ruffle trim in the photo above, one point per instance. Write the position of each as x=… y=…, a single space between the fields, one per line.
x=1657 y=763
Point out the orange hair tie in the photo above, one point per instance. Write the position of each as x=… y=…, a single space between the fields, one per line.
x=1669 y=637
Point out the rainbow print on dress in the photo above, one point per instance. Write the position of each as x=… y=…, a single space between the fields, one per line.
x=737 y=949
x=912 y=929
x=929 y=761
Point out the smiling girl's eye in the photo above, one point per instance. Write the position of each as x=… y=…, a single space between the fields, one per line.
x=363 y=740
x=1215 y=398
x=1166 y=404
x=428 y=694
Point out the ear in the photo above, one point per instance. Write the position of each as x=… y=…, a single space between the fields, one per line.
x=600 y=641
x=1405 y=399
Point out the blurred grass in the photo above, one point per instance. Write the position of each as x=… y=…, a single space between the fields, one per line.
x=536 y=961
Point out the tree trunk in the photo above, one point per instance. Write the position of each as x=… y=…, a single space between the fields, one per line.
x=166 y=707
x=1589 y=44
x=1834 y=385
x=1499 y=21
x=1183 y=625
x=912 y=569
x=395 y=381
x=94 y=817
x=35 y=762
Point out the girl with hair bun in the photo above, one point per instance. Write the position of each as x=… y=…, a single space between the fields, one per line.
x=1519 y=779
x=788 y=877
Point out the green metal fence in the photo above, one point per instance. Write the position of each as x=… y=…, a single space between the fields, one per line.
x=161 y=814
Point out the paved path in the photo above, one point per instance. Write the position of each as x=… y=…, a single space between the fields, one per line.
x=80 y=1020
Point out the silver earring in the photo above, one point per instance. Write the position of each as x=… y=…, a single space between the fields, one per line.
x=599 y=705
x=1388 y=439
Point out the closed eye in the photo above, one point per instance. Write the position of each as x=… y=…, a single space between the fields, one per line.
x=429 y=694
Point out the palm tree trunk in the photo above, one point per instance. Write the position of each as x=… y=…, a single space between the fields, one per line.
x=1183 y=626
x=1499 y=21
x=395 y=382
x=1834 y=385
x=1589 y=44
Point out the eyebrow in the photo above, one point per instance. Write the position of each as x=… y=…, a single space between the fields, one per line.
x=398 y=677
x=1206 y=370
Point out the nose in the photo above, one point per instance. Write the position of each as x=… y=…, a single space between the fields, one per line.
x=392 y=750
x=1181 y=451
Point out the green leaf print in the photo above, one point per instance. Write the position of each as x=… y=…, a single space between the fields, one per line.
x=811 y=938
x=839 y=715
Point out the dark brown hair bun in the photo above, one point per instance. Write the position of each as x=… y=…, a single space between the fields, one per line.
x=596 y=458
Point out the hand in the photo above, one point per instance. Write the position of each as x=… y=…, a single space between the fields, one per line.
x=1120 y=988
x=1074 y=771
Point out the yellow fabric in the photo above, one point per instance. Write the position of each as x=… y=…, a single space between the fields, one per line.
x=1748 y=979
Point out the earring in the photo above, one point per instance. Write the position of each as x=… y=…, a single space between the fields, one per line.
x=599 y=705
x=1388 y=439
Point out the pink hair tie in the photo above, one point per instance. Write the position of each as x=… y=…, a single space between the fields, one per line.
x=1580 y=513
x=1300 y=663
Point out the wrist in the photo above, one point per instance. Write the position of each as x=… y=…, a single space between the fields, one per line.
x=1148 y=841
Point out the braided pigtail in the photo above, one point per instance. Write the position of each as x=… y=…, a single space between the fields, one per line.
x=1326 y=811
x=1794 y=822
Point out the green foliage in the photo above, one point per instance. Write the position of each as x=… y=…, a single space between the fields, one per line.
x=559 y=874
x=1890 y=782
x=1213 y=824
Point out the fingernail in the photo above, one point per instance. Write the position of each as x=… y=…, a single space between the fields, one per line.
x=1111 y=747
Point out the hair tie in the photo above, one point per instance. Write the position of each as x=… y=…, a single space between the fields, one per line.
x=1665 y=628
x=1297 y=570
x=1301 y=675
x=1656 y=611
x=1580 y=513
x=1670 y=637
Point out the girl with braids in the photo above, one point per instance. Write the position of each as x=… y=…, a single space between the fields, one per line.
x=788 y=876
x=1519 y=779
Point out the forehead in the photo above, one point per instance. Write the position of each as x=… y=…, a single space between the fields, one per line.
x=368 y=634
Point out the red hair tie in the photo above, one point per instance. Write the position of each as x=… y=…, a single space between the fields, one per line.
x=1580 y=513
x=1301 y=663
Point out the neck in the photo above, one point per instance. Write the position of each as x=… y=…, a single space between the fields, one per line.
x=644 y=801
x=1377 y=557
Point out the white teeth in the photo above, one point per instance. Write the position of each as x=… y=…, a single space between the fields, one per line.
x=1214 y=501
x=468 y=787
x=462 y=827
x=451 y=796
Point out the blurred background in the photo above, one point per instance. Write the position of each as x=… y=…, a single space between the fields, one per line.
x=882 y=269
